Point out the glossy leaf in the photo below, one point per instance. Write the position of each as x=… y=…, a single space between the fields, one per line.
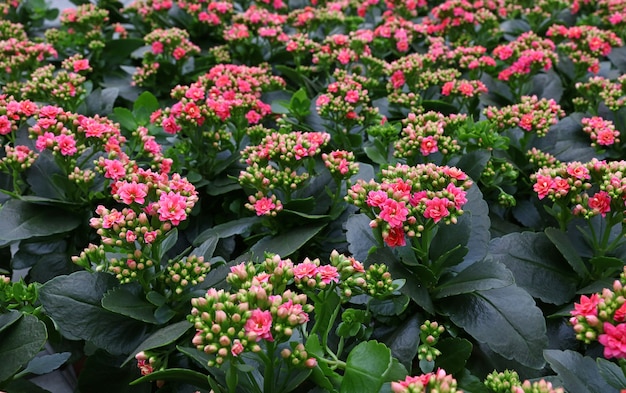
x=8 y=319
x=506 y=319
x=611 y=373
x=579 y=374
x=286 y=244
x=162 y=337
x=46 y=363
x=455 y=351
x=125 y=300
x=365 y=367
x=567 y=249
x=21 y=342
x=479 y=276
x=21 y=220
x=360 y=236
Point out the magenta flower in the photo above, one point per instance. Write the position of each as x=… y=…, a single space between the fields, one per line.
x=67 y=144
x=328 y=274
x=395 y=237
x=259 y=325
x=393 y=212
x=614 y=340
x=264 y=206
x=5 y=125
x=172 y=207
x=600 y=202
x=132 y=192
x=428 y=145
x=437 y=208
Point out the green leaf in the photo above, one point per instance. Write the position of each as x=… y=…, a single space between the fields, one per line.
x=177 y=374
x=567 y=249
x=389 y=307
x=473 y=163
x=21 y=220
x=360 y=236
x=20 y=343
x=200 y=357
x=579 y=374
x=537 y=266
x=321 y=374
x=286 y=244
x=101 y=101
x=102 y=374
x=170 y=241
x=478 y=276
x=74 y=303
x=143 y=107
x=44 y=364
x=235 y=227
x=404 y=340
x=8 y=319
x=161 y=338
x=454 y=354
x=506 y=319
x=128 y=301
x=612 y=373
x=125 y=117
x=365 y=367
x=375 y=155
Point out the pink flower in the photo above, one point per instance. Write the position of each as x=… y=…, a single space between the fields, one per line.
x=157 y=48
x=614 y=340
x=376 y=198
x=81 y=65
x=169 y=125
x=304 y=270
x=543 y=185
x=132 y=192
x=44 y=141
x=458 y=194
x=420 y=381
x=172 y=207
x=328 y=274
x=437 y=208
x=149 y=237
x=352 y=96
x=428 y=145
x=114 y=169
x=587 y=306
x=236 y=348
x=620 y=314
x=264 y=206
x=600 y=203
x=397 y=79
x=5 y=125
x=395 y=237
x=179 y=53
x=259 y=325
x=253 y=117
x=393 y=212
x=577 y=170
x=67 y=144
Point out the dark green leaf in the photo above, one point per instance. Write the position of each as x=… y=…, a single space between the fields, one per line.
x=191 y=377
x=286 y=244
x=567 y=249
x=44 y=364
x=360 y=236
x=21 y=220
x=454 y=354
x=365 y=367
x=23 y=385
x=375 y=155
x=389 y=307
x=537 y=266
x=506 y=319
x=478 y=276
x=143 y=107
x=473 y=163
x=404 y=340
x=102 y=374
x=126 y=301
x=8 y=319
x=547 y=85
x=170 y=241
x=74 y=303
x=21 y=342
x=579 y=374
x=228 y=229
x=125 y=117
x=321 y=374
x=612 y=373
x=101 y=101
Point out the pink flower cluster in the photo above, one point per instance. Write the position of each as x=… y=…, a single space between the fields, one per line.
x=531 y=115
x=212 y=13
x=602 y=317
x=438 y=381
x=410 y=199
x=601 y=132
x=598 y=90
x=525 y=56
x=588 y=189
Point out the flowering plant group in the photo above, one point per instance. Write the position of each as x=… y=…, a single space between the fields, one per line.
x=313 y=196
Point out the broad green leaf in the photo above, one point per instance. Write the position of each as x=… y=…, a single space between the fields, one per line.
x=8 y=319
x=286 y=244
x=478 y=276
x=612 y=373
x=389 y=307
x=579 y=374
x=47 y=363
x=473 y=163
x=566 y=141
x=506 y=319
x=200 y=357
x=321 y=374
x=455 y=351
x=360 y=236
x=21 y=342
x=21 y=220
x=179 y=375
x=537 y=266
x=567 y=249
x=74 y=303
x=227 y=229
x=101 y=101
x=162 y=337
x=143 y=107
x=404 y=340
x=128 y=301
x=102 y=374
x=375 y=155
x=365 y=367
x=125 y=117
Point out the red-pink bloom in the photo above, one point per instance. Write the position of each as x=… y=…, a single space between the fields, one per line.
x=304 y=270
x=376 y=198
x=253 y=117
x=179 y=53
x=437 y=208
x=458 y=194
x=352 y=96
x=67 y=144
x=614 y=340
x=293 y=312
x=600 y=203
x=620 y=314
x=543 y=185
x=393 y=212
x=113 y=218
x=328 y=274
x=264 y=206
x=5 y=125
x=132 y=192
x=605 y=136
x=578 y=170
x=419 y=381
x=172 y=207
x=588 y=306
x=395 y=237
x=150 y=237
x=397 y=79
x=259 y=325
x=114 y=169
x=81 y=65
x=428 y=145
x=236 y=348
x=145 y=367
x=170 y=126
x=157 y=48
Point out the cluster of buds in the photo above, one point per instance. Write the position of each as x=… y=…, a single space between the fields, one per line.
x=585 y=45
x=426 y=134
x=147 y=362
x=189 y=271
x=407 y=9
x=601 y=132
x=531 y=114
x=411 y=199
x=438 y=381
x=346 y=102
x=17 y=159
x=257 y=22
x=297 y=356
x=310 y=18
x=151 y=12
x=82 y=28
x=212 y=13
x=340 y=50
x=64 y=87
x=470 y=58
x=599 y=89
x=395 y=32
x=525 y=56
x=429 y=336
x=353 y=278
x=341 y=164
x=167 y=47
x=17 y=295
x=508 y=382
x=281 y=163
